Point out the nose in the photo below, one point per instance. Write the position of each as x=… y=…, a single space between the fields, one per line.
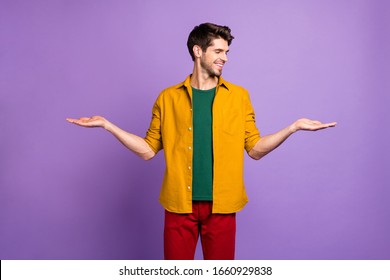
x=224 y=57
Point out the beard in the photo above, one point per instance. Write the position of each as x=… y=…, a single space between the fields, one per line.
x=209 y=69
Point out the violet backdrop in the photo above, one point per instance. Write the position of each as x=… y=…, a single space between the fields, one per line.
x=73 y=193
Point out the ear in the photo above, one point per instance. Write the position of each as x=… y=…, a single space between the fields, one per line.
x=197 y=51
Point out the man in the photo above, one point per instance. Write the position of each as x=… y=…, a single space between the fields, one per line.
x=203 y=124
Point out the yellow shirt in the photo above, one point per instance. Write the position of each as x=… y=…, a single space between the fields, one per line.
x=234 y=130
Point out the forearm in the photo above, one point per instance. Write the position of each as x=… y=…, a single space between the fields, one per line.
x=270 y=142
x=131 y=141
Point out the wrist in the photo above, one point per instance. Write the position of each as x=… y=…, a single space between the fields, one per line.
x=107 y=125
x=293 y=128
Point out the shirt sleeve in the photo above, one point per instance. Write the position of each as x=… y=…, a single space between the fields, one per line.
x=252 y=134
x=153 y=135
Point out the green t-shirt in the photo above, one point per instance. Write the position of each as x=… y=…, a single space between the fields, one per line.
x=202 y=162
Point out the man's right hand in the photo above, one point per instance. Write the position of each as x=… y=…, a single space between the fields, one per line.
x=133 y=142
x=95 y=121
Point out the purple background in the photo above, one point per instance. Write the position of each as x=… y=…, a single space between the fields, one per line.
x=73 y=193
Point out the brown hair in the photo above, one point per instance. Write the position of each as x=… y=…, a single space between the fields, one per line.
x=203 y=34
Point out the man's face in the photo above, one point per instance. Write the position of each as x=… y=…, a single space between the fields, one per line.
x=214 y=58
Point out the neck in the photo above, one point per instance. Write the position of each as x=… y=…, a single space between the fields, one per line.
x=202 y=80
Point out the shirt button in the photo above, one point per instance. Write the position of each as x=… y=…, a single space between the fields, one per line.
x=189 y=167
x=190 y=128
x=189 y=187
x=189 y=148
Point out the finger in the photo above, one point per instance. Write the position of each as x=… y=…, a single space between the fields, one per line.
x=332 y=124
x=73 y=120
x=81 y=122
x=85 y=119
x=326 y=125
x=77 y=120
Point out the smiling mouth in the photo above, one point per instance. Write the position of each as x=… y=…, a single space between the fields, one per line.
x=220 y=65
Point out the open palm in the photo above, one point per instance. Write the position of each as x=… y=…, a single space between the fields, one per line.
x=307 y=124
x=95 y=121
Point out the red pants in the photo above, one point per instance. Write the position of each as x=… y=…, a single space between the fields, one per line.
x=217 y=233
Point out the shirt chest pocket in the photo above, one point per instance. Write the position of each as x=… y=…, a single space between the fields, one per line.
x=232 y=121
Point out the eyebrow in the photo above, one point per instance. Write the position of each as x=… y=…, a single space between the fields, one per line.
x=221 y=50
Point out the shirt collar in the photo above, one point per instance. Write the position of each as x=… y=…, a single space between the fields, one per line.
x=187 y=83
